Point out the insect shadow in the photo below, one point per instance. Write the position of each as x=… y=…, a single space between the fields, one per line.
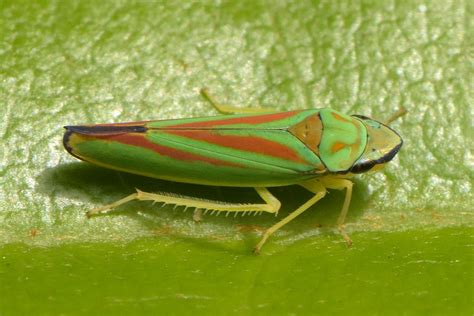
x=80 y=182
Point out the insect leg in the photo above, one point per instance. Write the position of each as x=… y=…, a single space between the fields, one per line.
x=314 y=187
x=341 y=184
x=197 y=215
x=229 y=109
x=271 y=204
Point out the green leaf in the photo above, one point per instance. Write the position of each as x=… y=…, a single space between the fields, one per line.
x=71 y=62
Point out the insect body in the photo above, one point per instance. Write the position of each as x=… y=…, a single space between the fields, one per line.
x=318 y=149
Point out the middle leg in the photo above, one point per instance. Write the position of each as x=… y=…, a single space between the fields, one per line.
x=313 y=186
x=341 y=184
x=229 y=109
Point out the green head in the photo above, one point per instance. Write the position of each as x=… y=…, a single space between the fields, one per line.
x=383 y=143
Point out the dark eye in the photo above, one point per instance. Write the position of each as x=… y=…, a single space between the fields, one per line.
x=361 y=116
x=363 y=167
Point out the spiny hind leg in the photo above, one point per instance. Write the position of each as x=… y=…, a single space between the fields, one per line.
x=341 y=184
x=312 y=186
x=271 y=205
x=229 y=109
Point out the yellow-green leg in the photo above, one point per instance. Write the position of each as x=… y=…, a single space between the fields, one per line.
x=229 y=109
x=271 y=205
x=313 y=186
x=197 y=215
x=341 y=184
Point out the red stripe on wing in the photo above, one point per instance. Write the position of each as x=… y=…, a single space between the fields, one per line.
x=252 y=119
x=140 y=140
x=251 y=144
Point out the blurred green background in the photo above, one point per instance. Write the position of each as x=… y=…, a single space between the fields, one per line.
x=71 y=62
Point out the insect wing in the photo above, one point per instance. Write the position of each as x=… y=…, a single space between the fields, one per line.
x=231 y=150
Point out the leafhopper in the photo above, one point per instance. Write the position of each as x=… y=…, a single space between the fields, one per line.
x=318 y=149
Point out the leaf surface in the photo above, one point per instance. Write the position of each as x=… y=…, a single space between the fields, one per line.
x=70 y=62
